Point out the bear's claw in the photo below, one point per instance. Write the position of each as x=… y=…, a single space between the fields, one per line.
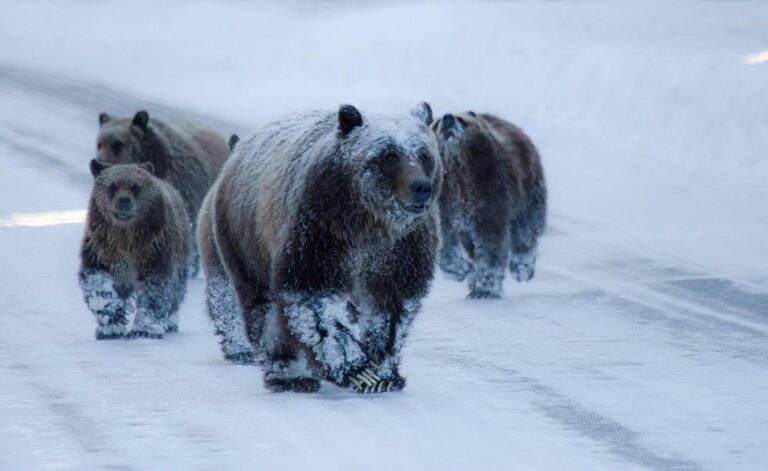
x=240 y=358
x=298 y=385
x=368 y=382
x=483 y=295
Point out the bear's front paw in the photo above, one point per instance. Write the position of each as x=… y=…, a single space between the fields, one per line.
x=479 y=294
x=103 y=336
x=458 y=270
x=300 y=385
x=111 y=331
x=368 y=381
x=147 y=332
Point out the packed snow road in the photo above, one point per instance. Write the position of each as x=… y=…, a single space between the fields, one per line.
x=642 y=342
x=615 y=356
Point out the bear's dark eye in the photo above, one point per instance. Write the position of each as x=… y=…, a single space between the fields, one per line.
x=111 y=190
x=116 y=146
x=426 y=162
x=98 y=146
x=388 y=161
x=390 y=155
x=135 y=190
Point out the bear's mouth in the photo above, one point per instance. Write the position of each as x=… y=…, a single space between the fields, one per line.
x=450 y=135
x=413 y=209
x=123 y=215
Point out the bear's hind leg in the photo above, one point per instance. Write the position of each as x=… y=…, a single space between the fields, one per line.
x=524 y=232
x=105 y=303
x=522 y=264
x=490 y=257
x=224 y=311
x=179 y=291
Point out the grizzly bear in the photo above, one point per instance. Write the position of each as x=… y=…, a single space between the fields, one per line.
x=187 y=155
x=134 y=255
x=494 y=203
x=322 y=230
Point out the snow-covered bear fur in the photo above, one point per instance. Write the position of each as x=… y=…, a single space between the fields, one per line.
x=187 y=155
x=134 y=255
x=494 y=203
x=322 y=230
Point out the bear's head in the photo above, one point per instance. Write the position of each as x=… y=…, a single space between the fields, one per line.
x=121 y=140
x=397 y=168
x=457 y=134
x=125 y=193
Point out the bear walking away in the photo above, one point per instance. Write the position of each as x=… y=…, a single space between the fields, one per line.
x=322 y=230
x=494 y=203
x=187 y=155
x=134 y=255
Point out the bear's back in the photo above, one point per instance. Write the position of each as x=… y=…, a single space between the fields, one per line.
x=263 y=179
x=193 y=157
x=519 y=150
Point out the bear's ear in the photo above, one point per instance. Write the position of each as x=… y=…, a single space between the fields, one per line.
x=97 y=167
x=423 y=113
x=349 y=119
x=103 y=118
x=141 y=119
x=472 y=113
x=233 y=140
x=148 y=166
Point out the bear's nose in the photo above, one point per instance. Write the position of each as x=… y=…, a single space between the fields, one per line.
x=421 y=190
x=124 y=203
x=448 y=121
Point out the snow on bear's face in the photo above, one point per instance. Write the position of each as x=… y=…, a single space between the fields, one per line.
x=399 y=172
x=125 y=193
x=453 y=132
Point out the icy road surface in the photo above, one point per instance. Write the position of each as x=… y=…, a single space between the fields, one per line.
x=642 y=343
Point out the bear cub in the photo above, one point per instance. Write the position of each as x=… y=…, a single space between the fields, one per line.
x=494 y=203
x=135 y=252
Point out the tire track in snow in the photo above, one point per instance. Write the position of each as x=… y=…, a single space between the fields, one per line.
x=52 y=164
x=618 y=438
x=680 y=291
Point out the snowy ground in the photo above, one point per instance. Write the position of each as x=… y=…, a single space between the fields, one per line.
x=642 y=343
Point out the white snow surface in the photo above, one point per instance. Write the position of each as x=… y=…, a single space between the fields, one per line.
x=642 y=342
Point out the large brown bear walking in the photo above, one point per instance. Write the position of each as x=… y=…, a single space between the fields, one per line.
x=494 y=203
x=322 y=229
x=187 y=155
x=135 y=252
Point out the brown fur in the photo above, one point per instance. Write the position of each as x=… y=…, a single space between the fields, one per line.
x=137 y=238
x=189 y=156
x=493 y=206
x=318 y=221
x=159 y=231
